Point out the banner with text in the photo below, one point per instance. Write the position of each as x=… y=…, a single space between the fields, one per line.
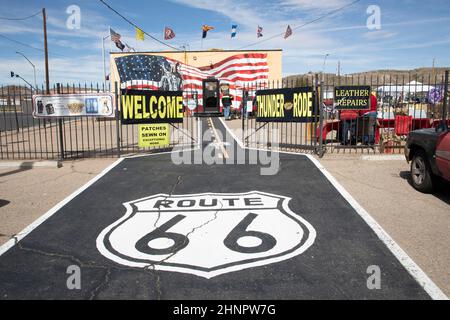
x=286 y=105
x=352 y=97
x=73 y=105
x=149 y=106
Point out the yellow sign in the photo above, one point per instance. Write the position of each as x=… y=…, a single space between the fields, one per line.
x=153 y=135
x=149 y=106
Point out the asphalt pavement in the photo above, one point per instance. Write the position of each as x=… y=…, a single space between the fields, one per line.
x=150 y=228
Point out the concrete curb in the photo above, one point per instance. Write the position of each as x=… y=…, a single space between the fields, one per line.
x=395 y=157
x=30 y=164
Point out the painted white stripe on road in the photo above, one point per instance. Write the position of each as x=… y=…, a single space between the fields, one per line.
x=413 y=269
x=10 y=243
x=219 y=141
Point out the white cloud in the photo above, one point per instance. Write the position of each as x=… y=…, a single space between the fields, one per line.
x=314 y=4
x=379 y=34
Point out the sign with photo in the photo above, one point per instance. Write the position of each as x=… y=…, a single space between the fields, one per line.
x=150 y=106
x=286 y=105
x=352 y=97
x=73 y=105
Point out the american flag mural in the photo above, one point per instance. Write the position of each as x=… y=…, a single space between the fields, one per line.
x=249 y=70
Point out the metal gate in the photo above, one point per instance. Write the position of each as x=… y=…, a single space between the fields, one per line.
x=282 y=136
x=404 y=103
x=24 y=137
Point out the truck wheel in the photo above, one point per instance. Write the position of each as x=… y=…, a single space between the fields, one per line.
x=421 y=175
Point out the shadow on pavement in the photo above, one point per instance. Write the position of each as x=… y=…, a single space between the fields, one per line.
x=442 y=190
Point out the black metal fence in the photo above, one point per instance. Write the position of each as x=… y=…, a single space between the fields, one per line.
x=402 y=104
x=25 y=137
x=285 y=136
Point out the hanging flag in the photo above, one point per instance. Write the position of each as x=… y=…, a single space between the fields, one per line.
x=233 y=30
x=205 y=29
x=288 y=32
x=115 y=37
x=168 y=33
x=259 y=32
x=139 y=34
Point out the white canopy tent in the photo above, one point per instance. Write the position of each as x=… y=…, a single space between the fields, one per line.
x=411 y=87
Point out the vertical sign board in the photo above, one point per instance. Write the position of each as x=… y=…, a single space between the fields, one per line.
x=153 y=135
x=149 y=106
x=352 y=97
x=286 y=105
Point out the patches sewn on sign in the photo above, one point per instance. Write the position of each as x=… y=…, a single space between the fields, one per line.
x=206 y=234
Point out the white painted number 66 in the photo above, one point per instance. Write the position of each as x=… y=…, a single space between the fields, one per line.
x=206 y=234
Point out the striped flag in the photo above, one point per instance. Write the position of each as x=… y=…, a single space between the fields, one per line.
x=115 y=37
x=259 y=32
x=249 y=70
x=288 y=32
x=233 y=30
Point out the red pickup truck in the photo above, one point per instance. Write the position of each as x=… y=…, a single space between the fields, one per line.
x=429 y=153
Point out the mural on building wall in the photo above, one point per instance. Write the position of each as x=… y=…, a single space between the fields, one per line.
x=143 y=71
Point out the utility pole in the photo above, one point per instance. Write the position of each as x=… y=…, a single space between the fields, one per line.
x=432 y=70
x=339 y=72
x=47 y=81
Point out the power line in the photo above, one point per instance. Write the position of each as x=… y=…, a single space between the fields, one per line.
x=21 y=43
x=305 y=24
x=134 y=25
x=28 y=45
x=16 y=19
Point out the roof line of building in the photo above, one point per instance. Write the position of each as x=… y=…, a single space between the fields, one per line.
x=198 y=51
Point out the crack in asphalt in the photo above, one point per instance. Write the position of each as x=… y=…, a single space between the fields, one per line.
x=178 y=249
x=98 y=288
x=87 y=265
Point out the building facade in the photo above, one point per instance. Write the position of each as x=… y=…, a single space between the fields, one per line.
x=203 y=76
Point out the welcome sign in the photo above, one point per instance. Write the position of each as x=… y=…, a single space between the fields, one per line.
x=286 y=105
x=352 y=97
x=148 y=106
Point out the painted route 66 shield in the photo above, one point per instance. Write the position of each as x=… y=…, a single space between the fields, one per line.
x=206 y=234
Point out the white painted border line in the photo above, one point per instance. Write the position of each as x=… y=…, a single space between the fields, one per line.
x=10 y=243
x=19 y=236
x=413 y=269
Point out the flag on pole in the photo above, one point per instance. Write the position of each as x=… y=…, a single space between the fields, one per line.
x=233 y=30
x=115 y=37
x=168 y=33
x=139 y=34
x=288 y=32
x=205 y=29
x=259 y=32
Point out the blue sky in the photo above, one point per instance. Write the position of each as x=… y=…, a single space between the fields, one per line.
x=412 y=33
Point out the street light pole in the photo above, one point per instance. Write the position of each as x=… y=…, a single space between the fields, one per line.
x=34 y=68
x=104 y=63
x=323 y=67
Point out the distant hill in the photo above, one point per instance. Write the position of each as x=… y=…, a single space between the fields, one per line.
x=378 y=77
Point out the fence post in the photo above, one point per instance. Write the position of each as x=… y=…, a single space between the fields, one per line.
x=444 y=104
x=116 y=95
x=243 y=112
x=321 y=151
x=61 y=142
